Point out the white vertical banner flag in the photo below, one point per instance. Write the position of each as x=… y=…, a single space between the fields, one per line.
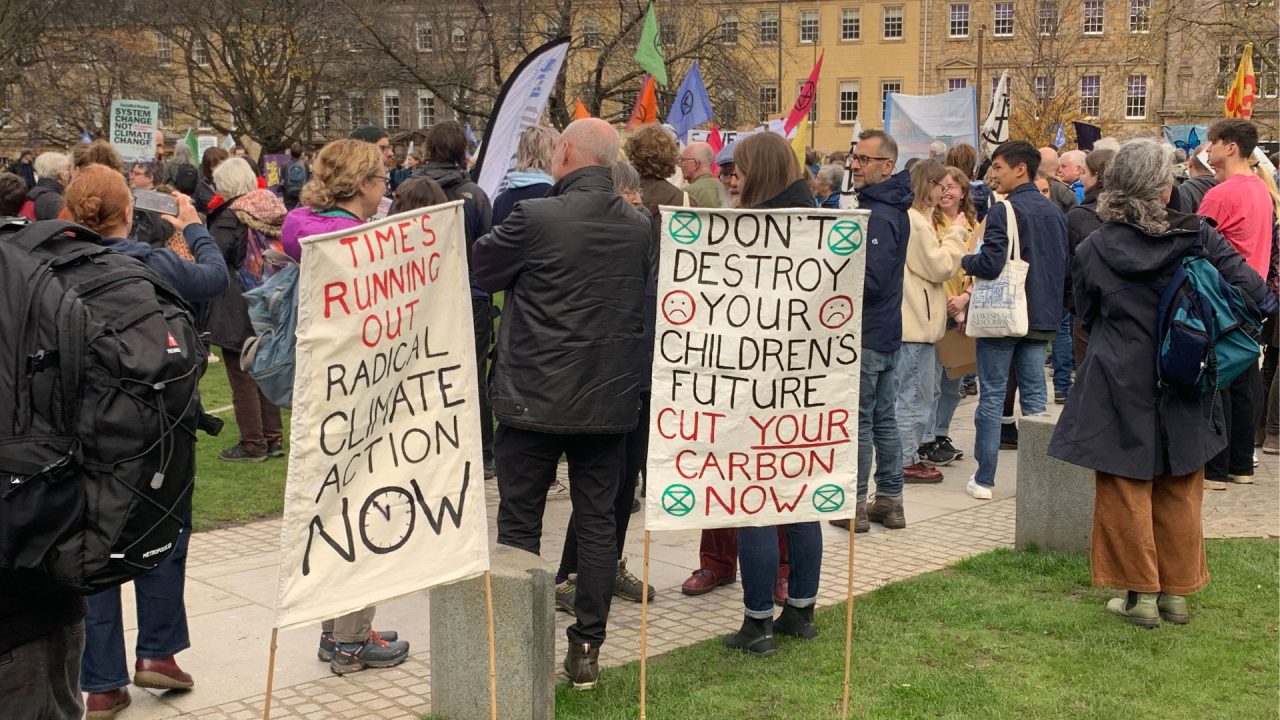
x=995 y=128
x=754 y=416
x=385 y=492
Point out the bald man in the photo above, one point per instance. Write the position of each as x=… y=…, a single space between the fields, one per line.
x=1060 y=194
x=568 y=364
x=695 y=163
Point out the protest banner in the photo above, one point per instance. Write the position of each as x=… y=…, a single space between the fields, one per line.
x=755 y=371
x=726 y=136
x=273 y=170
x=385 y=491
x=134 y=124
x=1186 y=137
x=204 y=142
x=915 y=121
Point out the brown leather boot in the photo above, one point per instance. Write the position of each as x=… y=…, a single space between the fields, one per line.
x=888 y=512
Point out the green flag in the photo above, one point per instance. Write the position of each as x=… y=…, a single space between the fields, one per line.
x=649 y=51
x=193 y=145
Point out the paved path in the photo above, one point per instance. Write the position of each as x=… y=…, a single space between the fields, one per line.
x=232 y=582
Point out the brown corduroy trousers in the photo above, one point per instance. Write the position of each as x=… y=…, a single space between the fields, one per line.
x=1147 y=534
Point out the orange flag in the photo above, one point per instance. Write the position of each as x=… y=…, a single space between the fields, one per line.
x=1239 y=102
x=646 y=108
x=580 y=110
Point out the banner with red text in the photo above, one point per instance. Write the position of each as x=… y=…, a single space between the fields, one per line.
x=754 y=416
x=385 y=492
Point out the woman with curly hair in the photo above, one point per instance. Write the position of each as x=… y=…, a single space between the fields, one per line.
x=653 y=152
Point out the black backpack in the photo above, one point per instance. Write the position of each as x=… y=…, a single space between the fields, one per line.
x=99 y=373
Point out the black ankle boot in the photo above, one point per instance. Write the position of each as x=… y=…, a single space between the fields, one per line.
x=796 y=622
x=755 y=637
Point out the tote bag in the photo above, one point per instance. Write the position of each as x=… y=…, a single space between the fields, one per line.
x=998 y=307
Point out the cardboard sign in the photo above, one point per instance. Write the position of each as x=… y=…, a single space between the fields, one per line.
x=133 y=129
x=726 y=136
x=204 y=142
x=273 y=170
x=385 y=493
x=754 y=416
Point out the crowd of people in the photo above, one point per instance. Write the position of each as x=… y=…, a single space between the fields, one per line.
x=572 y=243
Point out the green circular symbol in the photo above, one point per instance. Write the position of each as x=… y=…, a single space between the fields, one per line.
x=844 y=238
x=685 y=227
x=678 y=500
x=828 y=498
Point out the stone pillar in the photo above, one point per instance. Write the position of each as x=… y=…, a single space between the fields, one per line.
x=524 y=629
x=1055 y=498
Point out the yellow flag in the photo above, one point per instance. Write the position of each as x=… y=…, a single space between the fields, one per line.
x=1239 y=102
x=798 y=142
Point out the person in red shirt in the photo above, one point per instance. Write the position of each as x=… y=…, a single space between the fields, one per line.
x=1241 y=207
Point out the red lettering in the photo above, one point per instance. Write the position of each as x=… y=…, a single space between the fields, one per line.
x=662 y=413
x=335 y=292
x=424 y=222
x=738 y=463
x=433 y=266
x=680 y=468
x=765 y=462
x=350 y=242
x=742 y=500
x=729 y=508
x=405 y=247
x=782 y=506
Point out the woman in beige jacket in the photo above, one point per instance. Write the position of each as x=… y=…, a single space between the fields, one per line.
x=931 y=261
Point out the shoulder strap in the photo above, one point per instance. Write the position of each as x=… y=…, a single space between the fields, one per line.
x=1011 y=222
x=38 y=233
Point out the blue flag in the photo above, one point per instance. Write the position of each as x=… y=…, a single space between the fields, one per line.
x=471 y=135
x=1061 y=138
x=1186 y=137
x=85 y=137
x=692 y=106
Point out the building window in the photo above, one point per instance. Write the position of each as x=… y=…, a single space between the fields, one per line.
x=958 y=26
x=199 y=54
x=391 y=109
x=813 y=109
x=769 y=27
x=515 y=33
x=1135 y=100
x=851 y=24
x=1044 y=86
x=728 y=28
x=1265 y=65
x=424 y=37
x=1140 y=18
x=1008 y=85
x=808 y=26
x=459 y=40
x=954 y=84
x=551 y=28
x=886 y=87
x=893 y=22
x=164 y=48
x=591 y=32
x=1092 y=12
x=728 y=106
x=1047 y=18
x=426 y=109
x=1090 y=95
x=768 y=100
x=166 y=111
x=322 y=114
x=357 y=110
x=850 y=90
x=1002 y=20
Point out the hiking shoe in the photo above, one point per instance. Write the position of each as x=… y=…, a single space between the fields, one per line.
x=942 y=444
x=978 y=492
x=1060 y=398
x=755 y=637
x=1173 y=608
x=565 y=593
x=796 y=622
x=1240 y=479
x=1215 y=484
x=1008 y=436
x=860 y=522
x=968 y=387
x=375 y=652
x=161 y=674
x=105 y=705
x=924 y=450
x=237 y=453
x=939 y=454
x=275 y=448
x=887 y=511
x=1137 y=608
x=628 y=586
x=325 y=651
x=921 y=473
x=582 y=665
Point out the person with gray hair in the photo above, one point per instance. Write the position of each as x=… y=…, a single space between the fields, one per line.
x=1199 y=180
x=568 y=367
x=826 y=185
x=1147 y=533
x=626 y=182
x=531 y=176
x=54 y=172
x=1070 y=168
x=695 y=163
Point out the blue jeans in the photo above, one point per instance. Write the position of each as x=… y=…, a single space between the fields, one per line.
x=1064 y=356
x=944 y=409
x=758 y=560
x=917 y=382
x=162 y=622
x=877 y=426
x=994 y=356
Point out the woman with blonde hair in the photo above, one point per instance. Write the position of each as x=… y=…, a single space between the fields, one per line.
x=531 y=176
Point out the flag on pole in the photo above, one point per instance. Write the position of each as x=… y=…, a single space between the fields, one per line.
x=848 y=194
x=1086 y=135
x=1239 y=102
x=717 y=144
x=410 y=150
x=646 y=107
x=804 y=99
x=798 y=143
x=228 y=143
x=649 y=51
x=692 y=106
x=1060 y=138
x=995 y=129
x=193 y=144
x=580 y=110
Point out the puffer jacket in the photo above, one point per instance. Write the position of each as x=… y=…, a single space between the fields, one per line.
x=888 y=231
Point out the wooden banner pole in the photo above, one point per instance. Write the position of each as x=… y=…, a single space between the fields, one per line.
x=644 y=625
x=493 y=664
x=271 y=674
x=848 y=630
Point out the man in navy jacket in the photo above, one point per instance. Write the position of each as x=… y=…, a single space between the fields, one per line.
x=1042 y=234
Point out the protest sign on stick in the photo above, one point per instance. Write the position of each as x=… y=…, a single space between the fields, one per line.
x=133 y=129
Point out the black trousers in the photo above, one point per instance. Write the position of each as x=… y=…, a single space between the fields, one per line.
x=635 y=450
x=526 y=468
x=482 y=323
x=1239 y=409
x=40 y=680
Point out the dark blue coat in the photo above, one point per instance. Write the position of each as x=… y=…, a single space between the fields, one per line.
x=1042 y=234
x=506 y=201
x=887 y=235
x=196 y=282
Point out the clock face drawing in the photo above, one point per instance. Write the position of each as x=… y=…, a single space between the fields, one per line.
x=386 y=520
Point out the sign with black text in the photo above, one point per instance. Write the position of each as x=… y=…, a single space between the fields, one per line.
x=133 y=129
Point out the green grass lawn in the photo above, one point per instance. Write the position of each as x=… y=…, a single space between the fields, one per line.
x=1017 y=635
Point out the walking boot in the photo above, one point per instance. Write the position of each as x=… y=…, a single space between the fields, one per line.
x=887 y=511
x=582 y=665
x=860 y=522
x=755 y=637
x=796 y=622
x=1137 y=608
x=1173 y=608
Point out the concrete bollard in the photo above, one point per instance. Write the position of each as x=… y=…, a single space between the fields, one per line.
x=1055 y=498
x=524 y=630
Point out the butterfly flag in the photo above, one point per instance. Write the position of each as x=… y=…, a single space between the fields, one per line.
x=580 y=110
x=995 y=129
x=692 y=106
x=646 y=107
x=649 y=51
x=716 y=142
x=1061 y=138
x=1186 y=137
x=1239 y=102
x=193 y=144
x=804 y=99
x=1086 y=135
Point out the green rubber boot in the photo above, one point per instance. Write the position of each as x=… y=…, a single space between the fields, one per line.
x=1173 y=608
x=1137 y=608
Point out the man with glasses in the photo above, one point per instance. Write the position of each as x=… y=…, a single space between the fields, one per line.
x=888 y=197
x=695 y=164
x=377 y=136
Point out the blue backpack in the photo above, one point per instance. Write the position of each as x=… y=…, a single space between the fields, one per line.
x=273 y=312
x=1208 y=330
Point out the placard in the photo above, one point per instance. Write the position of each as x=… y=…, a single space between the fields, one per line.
x=133 y=129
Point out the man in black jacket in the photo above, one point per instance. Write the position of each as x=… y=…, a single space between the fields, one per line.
x=568 y=361
x=1199 y=179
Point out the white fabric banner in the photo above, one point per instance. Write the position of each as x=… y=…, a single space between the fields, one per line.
x=995 y=128
x=754 y=417
x=915 y=121
x=133 y=129
x=385 y=493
